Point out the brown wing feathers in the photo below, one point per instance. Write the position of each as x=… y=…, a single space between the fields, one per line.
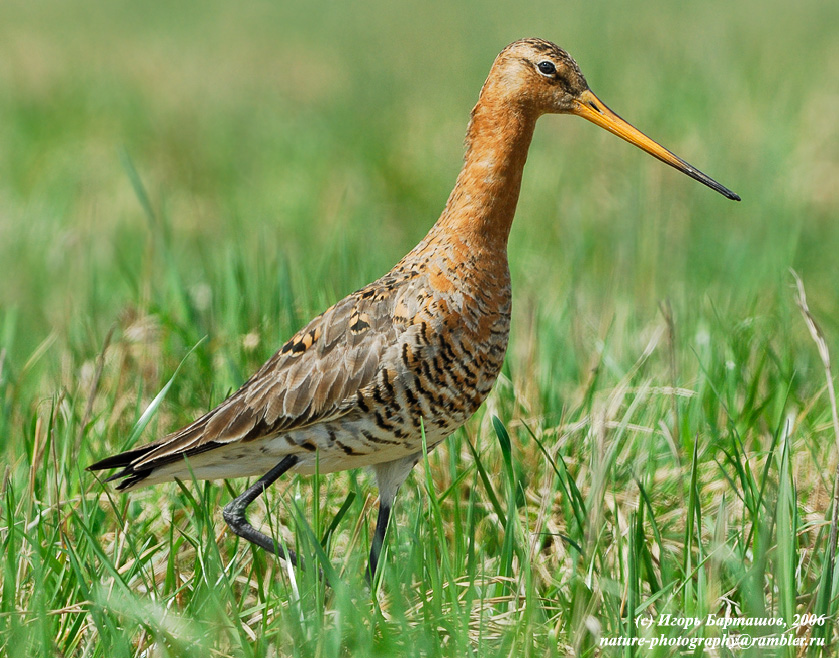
x=314 y=376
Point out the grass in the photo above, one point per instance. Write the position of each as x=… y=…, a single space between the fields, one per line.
x=181 y=187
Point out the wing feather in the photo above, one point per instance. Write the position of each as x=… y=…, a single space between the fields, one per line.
x=315 y=376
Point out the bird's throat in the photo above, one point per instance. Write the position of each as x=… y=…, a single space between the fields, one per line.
x=482 y=204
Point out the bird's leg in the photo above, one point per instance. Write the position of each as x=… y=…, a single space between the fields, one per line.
x=378 y=540
x=389 y=476
x=234 y=511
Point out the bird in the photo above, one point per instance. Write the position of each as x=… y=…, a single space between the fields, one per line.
x=395 y=367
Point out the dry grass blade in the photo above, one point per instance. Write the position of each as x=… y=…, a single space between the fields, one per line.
x=821 y=344
x=667 y=311
x=824 y=353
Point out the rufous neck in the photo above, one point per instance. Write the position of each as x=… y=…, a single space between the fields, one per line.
x=482 y=204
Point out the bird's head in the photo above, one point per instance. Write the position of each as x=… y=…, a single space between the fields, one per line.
x=538 y=77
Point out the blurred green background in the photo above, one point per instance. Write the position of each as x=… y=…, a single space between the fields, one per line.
x=177 y=171
x=326 y=138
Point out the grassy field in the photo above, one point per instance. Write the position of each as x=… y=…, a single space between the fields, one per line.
x=186 y=185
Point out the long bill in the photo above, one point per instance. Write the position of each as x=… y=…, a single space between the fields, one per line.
x=590 y=107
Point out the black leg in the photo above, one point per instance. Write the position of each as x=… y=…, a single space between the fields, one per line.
x=234 y=511
x=378 y=540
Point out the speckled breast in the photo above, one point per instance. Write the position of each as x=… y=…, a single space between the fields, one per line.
x=446 y=361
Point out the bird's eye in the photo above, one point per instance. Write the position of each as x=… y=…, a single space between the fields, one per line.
x=546 y=68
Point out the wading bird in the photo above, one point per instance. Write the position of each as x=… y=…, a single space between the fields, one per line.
x=417 y=350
